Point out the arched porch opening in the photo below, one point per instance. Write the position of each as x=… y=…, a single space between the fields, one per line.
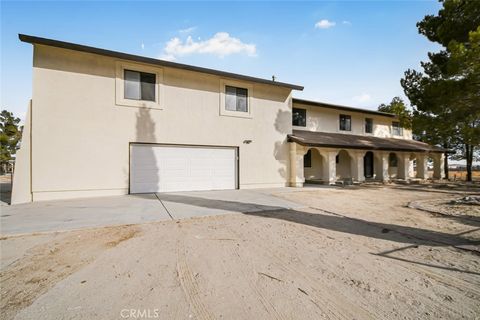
x=369 y=165
x=393 y=165
x=343 y=165
x=313 y=166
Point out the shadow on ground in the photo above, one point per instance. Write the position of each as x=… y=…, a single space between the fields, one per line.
x=5 y=189
x=333 y=221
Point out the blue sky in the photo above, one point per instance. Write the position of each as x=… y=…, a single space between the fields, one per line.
x=351 y=53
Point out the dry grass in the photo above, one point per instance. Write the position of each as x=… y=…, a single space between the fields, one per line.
x=462 y=175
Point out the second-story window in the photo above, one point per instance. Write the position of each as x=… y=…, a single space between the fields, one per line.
x=139 y=85
x=299 y=117
x=236 y=99
x=368 y=125
x=345 y=122
x=397 y=130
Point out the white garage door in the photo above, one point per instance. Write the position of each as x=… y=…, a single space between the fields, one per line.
x=157 y=168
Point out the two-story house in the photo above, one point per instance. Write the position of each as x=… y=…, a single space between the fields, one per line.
x=331 y=142
x=102 y=122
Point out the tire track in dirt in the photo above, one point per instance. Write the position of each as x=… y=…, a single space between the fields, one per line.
x=334 y=307
x=434 y=305
x=189 y=285
x=265 y=302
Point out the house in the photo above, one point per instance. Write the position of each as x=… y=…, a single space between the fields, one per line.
x=102 y=122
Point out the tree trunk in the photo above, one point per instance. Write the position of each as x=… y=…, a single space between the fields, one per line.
x=469 y=157
x=445 y=162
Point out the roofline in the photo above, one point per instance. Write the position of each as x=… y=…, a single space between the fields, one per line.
x=163 y=63
x=346 y=108
x=293 y=138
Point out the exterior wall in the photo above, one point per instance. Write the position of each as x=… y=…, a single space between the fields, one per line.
x=21 y=187
x=327 y=120
x=81 y=136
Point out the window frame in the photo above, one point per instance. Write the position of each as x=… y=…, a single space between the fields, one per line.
x=237 y=89
x=340 y=122
x=223 y=83
x=397 y=126
x=120 y=99
x=371 y=126
x=305 y=117
x=141 y=82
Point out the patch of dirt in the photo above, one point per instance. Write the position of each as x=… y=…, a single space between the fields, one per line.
x=46 y=264
x=350 y=254
x=452 y=207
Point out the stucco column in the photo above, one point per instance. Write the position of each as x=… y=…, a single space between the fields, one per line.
x=356 y=165
x=382 y=168
x=330 y=166
x=438 y=166
x=296 y=165
x=422 y=166
x=403 y=166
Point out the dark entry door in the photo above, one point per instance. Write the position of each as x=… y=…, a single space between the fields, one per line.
x=368 y=164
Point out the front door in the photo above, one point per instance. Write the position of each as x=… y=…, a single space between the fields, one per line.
x=368 y=164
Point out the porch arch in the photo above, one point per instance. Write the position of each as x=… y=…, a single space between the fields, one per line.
x=343 y=165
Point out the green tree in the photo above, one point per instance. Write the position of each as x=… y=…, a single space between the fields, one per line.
x=446 y=95
x=10 y=135
x=398 y=107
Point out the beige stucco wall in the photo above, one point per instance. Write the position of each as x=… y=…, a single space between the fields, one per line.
x=81 y=136
x=21 y=186
x=327 y=120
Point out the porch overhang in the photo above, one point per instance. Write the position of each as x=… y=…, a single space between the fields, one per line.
x=350 y=141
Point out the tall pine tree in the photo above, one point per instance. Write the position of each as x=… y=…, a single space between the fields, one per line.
x=446 y=95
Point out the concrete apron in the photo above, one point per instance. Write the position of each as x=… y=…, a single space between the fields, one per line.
x=65 y=215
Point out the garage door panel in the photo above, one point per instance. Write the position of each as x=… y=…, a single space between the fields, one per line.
x=157 y=168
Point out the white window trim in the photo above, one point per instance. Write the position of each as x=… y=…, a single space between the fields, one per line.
x=120 y=100
x=238 y=84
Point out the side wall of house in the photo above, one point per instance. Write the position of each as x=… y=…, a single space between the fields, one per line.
x=327 y=120
x=81 y=136
x=21 y=186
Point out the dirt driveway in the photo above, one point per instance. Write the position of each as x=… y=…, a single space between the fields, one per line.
x=351 y=254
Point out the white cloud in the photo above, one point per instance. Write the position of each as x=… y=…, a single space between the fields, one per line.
x=221 y=44
x=364 y=97
x=143 y=46
x=324 y=24
x=346 y=22
x=187 y=30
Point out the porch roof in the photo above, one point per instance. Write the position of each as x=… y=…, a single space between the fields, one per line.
x=350 y=141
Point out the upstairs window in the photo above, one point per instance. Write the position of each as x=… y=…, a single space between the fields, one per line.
x=345 y=122
x=236 y=99
x=396 y=129
x=299 y=117
x=139 y=85
x=368 y=125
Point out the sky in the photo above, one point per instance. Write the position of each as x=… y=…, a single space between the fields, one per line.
x=349 y=53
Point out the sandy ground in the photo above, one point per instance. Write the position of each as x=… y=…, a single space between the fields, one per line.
x=351 y=254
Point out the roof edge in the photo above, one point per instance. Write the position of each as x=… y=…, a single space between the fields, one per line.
x=433 y=149
x=137 y=58
x=340 y=107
